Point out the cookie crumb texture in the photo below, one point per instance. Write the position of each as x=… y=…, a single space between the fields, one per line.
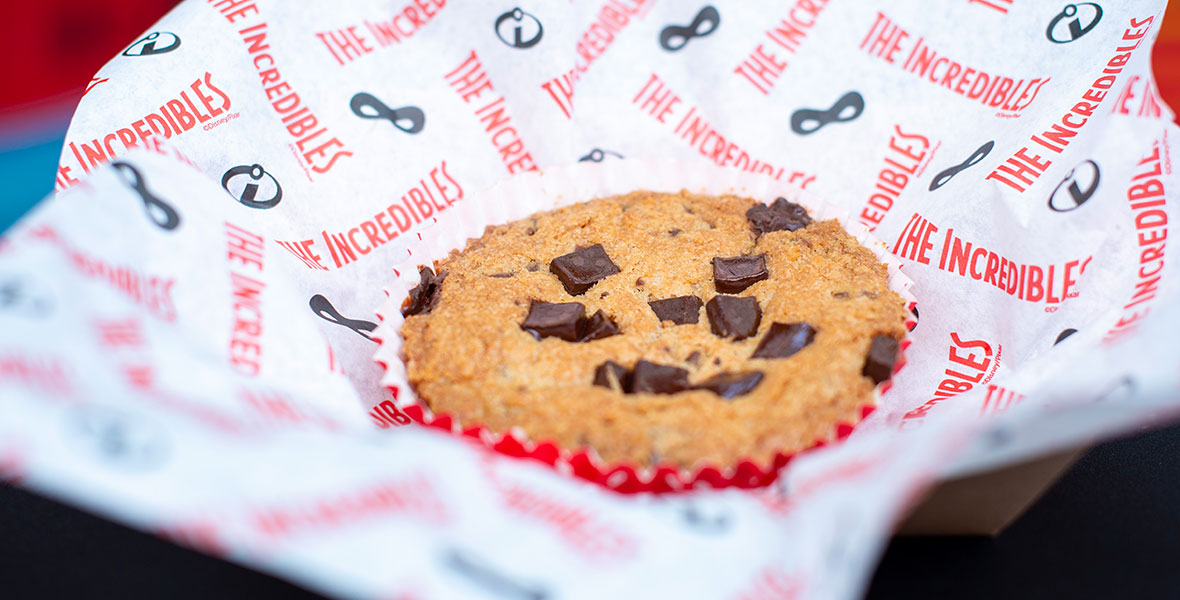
x=470 y=357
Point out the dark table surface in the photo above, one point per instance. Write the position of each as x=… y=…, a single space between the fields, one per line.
x=1109 y=529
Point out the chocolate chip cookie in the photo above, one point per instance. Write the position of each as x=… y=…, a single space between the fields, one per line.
x=657 y=329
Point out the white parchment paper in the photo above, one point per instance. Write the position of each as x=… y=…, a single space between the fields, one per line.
x=185 y=327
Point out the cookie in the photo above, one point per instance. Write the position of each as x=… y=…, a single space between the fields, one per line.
x=657 y=329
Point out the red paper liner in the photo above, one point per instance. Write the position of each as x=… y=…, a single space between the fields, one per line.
x=501 y=204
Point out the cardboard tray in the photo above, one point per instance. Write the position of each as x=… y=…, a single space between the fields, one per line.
x=984 y=504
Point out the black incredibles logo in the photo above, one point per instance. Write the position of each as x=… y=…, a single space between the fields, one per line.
x=156 y=42
x=1070 y=194
x=324 y=310
x=245 y=183
x=161 y=213
x=409 y=119
x=704 y=522
x=1072 y=19
x=675 y=37
x=20 y=296
x=1065 y=333
x=980 y=153
x=598 y=155
x=806 y=121
x=1120 y=390
x=490 y=580
x=118 y=438
x=519 y=29
x=998 y=437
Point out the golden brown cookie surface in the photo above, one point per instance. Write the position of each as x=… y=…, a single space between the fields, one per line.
x=493 y=349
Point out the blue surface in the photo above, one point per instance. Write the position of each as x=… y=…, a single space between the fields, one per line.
x=27 y=174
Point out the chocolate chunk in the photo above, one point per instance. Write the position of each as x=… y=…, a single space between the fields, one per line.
x=779 y=216
x=581 y=269
x=425 y=295
x=639 y=282
x=532 y=267
x=500 y=275
x=882 y=355
x=547 y=319
x=732 y=275
x=597 y=327
x=612 y=375
x=694 y=359
x=731 y=385
x=680 y=310
x=783 y=340
x=675 y=231
x=731 y=316
x=652 y=378
x=840 y=295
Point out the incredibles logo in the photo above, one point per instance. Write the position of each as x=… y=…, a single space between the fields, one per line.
x=519 y=29
x=118 y=438
x=807 y=121
x=1065 y=333
x=1067 y=26
x=1077 y=188
x=704 y=522
x=18 y=295
x=483 y=576
x=409 y=119
x=246 y=184
x=998 y=437
x=1120 y=390
x=156 y=42
x=161 y=213
x=976 y=157
x=598 y=155
x=675 y=37
x=324 y=310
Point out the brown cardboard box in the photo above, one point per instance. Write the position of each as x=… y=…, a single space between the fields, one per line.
x=986 y=503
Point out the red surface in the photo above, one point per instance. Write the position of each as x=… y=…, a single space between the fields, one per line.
x=56 y=46
x=1165 y=57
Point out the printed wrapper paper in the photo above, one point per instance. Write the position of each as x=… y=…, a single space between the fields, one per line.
x=186 y=329
x=555 y=187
